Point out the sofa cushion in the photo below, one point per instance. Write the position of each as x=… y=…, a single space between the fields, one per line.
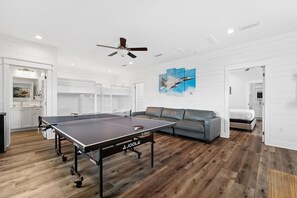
x=198 y=114
x=164 y=118
x=142 y=116
x=154 y=111
x=173 y=113
x=195 y=126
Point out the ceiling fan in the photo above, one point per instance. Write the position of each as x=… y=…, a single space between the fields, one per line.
x=122 y=48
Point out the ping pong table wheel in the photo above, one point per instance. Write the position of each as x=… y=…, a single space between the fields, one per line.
x=139 y=155
x=78 y=183
x=64 y=158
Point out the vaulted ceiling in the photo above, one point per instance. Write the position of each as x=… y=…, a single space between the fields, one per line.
x=175 y=29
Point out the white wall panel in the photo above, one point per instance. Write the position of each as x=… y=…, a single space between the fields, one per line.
x=1 y=88
x=279 y=54
x=83 y=74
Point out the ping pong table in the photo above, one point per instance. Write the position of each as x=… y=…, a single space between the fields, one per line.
x=97 y=136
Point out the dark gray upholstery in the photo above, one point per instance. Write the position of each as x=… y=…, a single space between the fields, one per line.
x=166 y=119
x=195 y=126
x=198 y=124
x=191 y=114
x=173 y=113
x=144 y=116
x=154 y=111
x=138 y=113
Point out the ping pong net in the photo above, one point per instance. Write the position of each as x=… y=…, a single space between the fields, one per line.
x=52 y=120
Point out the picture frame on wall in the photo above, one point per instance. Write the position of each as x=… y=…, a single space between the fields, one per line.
x=178 y=81
x=22 y=91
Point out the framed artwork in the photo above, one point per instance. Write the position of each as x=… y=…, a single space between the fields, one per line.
x=22 y=91
x=177 y=81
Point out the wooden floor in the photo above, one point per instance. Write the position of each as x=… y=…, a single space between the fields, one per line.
x=235 y=167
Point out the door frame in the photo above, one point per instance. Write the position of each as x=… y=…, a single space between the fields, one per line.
x=248 y=86
x=266 y=101
x=7 y=87
x=134 y=93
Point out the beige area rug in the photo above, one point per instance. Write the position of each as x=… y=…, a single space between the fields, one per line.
x=282 y=185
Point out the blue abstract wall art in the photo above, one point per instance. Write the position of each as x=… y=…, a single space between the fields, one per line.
x=178 y=81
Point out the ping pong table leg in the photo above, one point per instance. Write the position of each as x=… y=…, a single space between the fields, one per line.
x=73 y=169
x=101 y=172
x=56 y=139
x=152 y=149
x=75 y=159
x=58 y=150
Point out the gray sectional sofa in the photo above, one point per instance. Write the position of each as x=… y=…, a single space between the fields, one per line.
x=198 y=124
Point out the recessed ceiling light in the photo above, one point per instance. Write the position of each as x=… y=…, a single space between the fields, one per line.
x=131 y=63
x=38 y=37
x=230 y=31
x=124 y=65
x=109 y=71
x=72 y=64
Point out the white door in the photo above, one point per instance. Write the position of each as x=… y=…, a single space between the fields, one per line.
x=27 y=115
x=263 y=107
x=44 y=82
x=139 y=97
x=256 y=99
x=36 y=113
x=15 y=118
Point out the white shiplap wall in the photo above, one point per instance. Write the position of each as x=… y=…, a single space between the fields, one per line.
x=279 y=54
x=1 y=88
x=71 y=72
x=283 y=98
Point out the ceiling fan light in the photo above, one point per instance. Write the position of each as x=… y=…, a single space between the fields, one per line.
x=230 y=31
x=122 y=52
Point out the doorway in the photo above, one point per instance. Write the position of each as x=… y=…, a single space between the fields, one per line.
x=255 y=98
x=39 y=92
x=139 y=97
x=28 y=97
x=245 y=99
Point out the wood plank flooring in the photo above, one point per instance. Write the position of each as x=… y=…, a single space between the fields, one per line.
x=235 y=167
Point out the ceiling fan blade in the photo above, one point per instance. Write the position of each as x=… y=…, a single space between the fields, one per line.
x=123 y=42
x=106 y=46
x=114 y=53
x=137 y=49
x=131 y=55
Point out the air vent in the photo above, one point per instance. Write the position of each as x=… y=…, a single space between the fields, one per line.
x=212 y=39
x=248 y=26
x=157 y=55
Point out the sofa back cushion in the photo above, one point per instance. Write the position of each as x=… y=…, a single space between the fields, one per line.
x=191 y=114
x=154 y=111
x=173 y=113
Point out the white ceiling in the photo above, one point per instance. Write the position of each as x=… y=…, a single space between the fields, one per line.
x=177 y=29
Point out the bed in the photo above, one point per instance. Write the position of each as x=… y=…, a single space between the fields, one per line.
x=242 y=119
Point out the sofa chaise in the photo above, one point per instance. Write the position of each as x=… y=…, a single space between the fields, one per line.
x=197 y=124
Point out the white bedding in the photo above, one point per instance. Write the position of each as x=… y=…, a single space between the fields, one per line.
x=242 y=114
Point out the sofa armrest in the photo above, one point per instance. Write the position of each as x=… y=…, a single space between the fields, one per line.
x=138 y=113
x=212 y=128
